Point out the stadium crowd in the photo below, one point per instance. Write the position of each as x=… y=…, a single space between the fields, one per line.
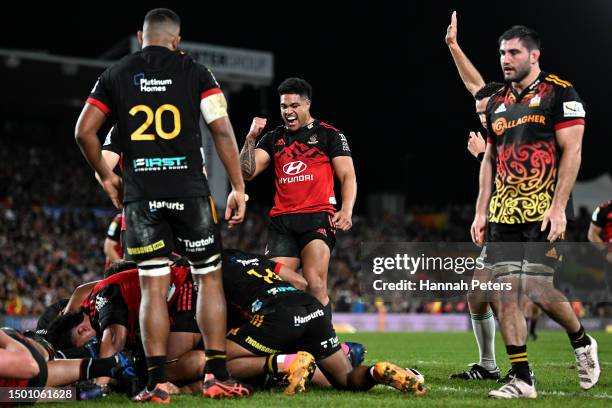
x=54 y=216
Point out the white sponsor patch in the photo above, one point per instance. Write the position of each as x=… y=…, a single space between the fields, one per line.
x=247 y=262
x=298 y=320
x=573 y=109
x=500 y=109
x=197 y=246
x=100 y=302
x=158 y=205
x=295 y=167
x=345 y=145
x=154 y=84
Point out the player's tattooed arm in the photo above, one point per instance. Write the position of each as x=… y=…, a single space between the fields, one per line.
x=247 y=158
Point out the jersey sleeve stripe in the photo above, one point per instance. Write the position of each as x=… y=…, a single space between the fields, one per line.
x=559 y=82
x=569 y=123
x=98 y=104
x=567 y=83
x=210 y=92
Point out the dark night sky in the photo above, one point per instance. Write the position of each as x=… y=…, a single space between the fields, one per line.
x=383 y=76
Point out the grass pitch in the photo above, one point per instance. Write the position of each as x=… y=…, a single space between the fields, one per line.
x=436 y=355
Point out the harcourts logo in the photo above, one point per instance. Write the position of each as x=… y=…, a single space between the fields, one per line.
x=298 y=320
x=197 y=246
x=158 y=205
x=152 y=84
x=160 y=163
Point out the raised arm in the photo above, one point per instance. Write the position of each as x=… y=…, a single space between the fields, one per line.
x=253 y=161
x=467 y=71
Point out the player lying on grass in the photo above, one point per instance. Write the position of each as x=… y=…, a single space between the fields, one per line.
x=109 y=309
x=110 y=312
x=246 y=271
x=25 y=362
x=284 y=320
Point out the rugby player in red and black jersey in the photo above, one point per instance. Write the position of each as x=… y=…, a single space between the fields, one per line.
x=305 y=153
x=535 y=127
x=156 y=97
x=110 y=312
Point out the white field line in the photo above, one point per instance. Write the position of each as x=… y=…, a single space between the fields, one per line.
x=534 y=364
x=601 y=395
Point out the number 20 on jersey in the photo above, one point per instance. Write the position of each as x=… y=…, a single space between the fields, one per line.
x=150 y=117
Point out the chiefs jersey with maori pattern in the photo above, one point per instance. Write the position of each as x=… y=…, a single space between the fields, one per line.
x=303 y=170
x=522 y=127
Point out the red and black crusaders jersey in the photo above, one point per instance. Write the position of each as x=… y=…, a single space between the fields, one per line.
x=602 y=217
x=116 y=300
x=302 y=166
x=522 y=127
x=154 y=97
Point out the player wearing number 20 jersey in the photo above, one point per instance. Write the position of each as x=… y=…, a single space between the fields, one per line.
x=155 y=97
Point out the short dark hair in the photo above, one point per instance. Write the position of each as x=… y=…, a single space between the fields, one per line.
x=162 y=15
x=528 y=36
x=490 y=89
x=295 y=86
x=119 y=266
x=59 y=334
